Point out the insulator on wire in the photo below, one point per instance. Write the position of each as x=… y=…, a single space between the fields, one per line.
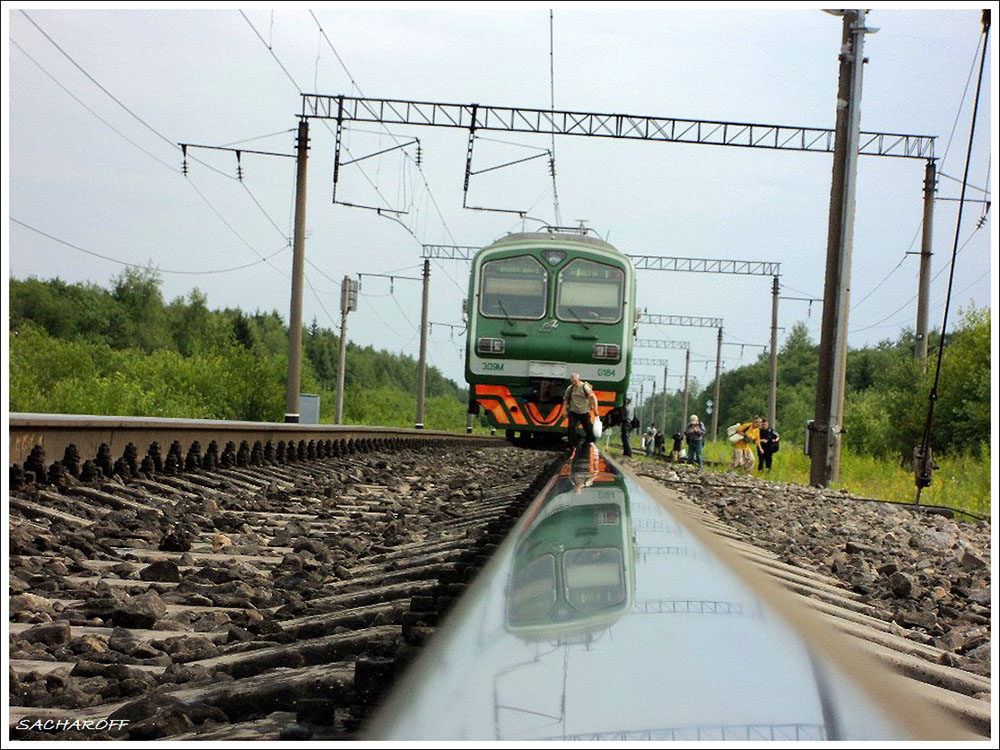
x=552 y=167
x=239 y=167
x=184 y=163
x=419 y=154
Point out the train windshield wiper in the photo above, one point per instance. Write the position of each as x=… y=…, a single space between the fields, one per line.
x=504 y=311
x=578 y=316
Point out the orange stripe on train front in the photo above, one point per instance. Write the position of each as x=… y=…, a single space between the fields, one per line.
x=503 y=392
x=496 y=409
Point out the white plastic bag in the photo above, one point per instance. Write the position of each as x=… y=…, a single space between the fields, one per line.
x=598 y=427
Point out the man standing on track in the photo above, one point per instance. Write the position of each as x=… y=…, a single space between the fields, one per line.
x=578 y=400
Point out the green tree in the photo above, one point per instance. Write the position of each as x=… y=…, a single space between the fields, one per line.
x=141 y=319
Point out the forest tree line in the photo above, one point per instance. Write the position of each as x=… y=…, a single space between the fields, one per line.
x=83 y=349
x=886 y=396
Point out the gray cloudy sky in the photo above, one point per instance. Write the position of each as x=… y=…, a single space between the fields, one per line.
x=84 y=170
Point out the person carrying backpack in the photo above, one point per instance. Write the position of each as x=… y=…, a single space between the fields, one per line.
x=678 y=438
x=695 y=436
x=769 y=440
x=579 y=400
x=749 y=433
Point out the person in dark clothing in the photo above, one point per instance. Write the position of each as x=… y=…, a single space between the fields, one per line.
x=768 y=446
x=678 y=438
x=659 y=441
x=695 y=434
x=628 y=414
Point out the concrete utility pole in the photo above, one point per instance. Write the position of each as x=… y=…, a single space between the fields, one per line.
x=772 y=393
x=422 y=373
x=348 y=302
x=663 y=413
x=828 y=424
x=715 y=406
x=293 y=381
x=924 y=293
x=687 y=369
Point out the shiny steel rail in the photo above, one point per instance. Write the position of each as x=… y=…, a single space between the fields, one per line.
x=609 y=613
x=131 y=440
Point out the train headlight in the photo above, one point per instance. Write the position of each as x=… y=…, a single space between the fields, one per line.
x=491 y=346
x=606 y=351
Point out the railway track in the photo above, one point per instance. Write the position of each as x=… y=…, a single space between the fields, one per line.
x=209 y=600
x=276 y=600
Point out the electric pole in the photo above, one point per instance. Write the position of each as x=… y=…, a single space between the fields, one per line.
x=828 y=424
x=663 y=413
x=687 y=369
x=718 y=367
x=924 y=293
x=293 y=381
x=772 y=393
x=422 y=372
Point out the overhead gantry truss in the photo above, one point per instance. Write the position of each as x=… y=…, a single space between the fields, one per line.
x=680 y=320
x=706 y=265
x=604 y=125
x=661 y=344
x=641 y=262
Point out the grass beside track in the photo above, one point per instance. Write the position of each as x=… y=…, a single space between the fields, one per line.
x=960 y=482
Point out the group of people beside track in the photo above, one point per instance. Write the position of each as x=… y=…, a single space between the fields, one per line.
x=580 y=401
x=755 y=432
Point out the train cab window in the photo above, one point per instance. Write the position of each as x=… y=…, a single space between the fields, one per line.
x=533 y=590
x=595 y=578
x=513 y=288
x=590 y=292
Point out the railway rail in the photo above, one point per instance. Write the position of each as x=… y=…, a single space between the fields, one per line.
x=281 y=594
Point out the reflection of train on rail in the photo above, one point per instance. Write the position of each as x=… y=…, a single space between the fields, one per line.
x=542 y=306
x=573 y=571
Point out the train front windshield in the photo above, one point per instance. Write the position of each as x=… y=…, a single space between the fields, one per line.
x=590 y=292
x=533 y=591
x=513 y=288
x=595 y=578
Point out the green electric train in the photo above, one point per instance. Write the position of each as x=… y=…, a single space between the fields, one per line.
x=573 y=570
x=542 y=306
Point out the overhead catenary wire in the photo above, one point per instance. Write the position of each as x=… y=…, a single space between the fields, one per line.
x=939 y=306
x=355 y=85
x=911 y=299
x=173 y=145
x=112 y=259
x=286 y=131
x=83 y=104
x=958 y=112
x=114 y=98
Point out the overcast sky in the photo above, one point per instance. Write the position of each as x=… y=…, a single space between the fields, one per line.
x=86 y=171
